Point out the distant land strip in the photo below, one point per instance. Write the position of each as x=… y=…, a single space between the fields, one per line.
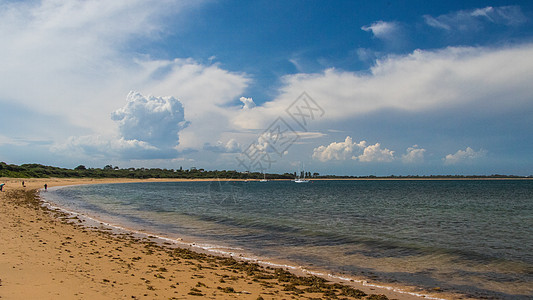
x=109 y=171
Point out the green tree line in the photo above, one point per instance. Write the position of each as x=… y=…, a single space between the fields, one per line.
x=109 y=171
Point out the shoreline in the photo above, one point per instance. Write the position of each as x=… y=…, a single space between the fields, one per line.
x=255 y=285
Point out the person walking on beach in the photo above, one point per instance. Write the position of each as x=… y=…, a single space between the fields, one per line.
x=2 y=186
x=45 y=186
x=23 y=184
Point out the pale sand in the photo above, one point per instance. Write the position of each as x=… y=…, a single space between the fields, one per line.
x=47 y=255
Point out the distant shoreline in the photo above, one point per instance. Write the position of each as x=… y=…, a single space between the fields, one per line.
x=110 y=173
x=76 y=180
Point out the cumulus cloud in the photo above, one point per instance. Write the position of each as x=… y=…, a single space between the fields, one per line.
x=155 y=120
x=148 y=129
x=374 y=153
x=475 y=19
x=413 y=155
x=464 y=156
x=208 y=94
x=247 y=103
x=231 y=146
x=353 y=150
x=382 y=29
x=337 y=150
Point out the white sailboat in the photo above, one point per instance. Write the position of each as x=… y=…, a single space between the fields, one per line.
x=264 y=178
x=299 y=179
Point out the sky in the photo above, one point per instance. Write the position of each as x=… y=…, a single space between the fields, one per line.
x=333 y=87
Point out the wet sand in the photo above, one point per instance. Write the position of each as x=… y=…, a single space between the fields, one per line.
x=47 y=254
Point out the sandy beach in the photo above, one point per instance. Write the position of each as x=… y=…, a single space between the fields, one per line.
x=46 y=254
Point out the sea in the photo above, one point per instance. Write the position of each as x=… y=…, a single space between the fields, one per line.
x=472 y=237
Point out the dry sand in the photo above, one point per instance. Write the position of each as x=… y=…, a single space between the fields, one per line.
x=46 y=254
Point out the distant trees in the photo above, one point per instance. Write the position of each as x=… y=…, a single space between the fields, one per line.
x=109 y=171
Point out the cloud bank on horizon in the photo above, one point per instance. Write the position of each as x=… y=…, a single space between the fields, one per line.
x=426 y=91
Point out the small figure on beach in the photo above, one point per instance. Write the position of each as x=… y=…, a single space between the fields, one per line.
x=45 y=186
x=23 y=184
x=2 y=187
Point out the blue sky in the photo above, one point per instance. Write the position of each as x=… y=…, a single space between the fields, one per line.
x=395 y=87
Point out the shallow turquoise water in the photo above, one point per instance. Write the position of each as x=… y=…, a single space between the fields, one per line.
x=470 y=236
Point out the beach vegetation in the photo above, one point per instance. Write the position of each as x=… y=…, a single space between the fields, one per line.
x=228 y=289
x=351 y=292
x=292 y=288
x=377 y=297
x=195 y=292
x=110 y=171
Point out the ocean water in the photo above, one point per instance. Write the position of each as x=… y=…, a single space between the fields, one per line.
x=469 y=236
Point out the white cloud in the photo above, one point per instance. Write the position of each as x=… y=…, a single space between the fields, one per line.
x=247 y=103
x=81 y=57
x=353 y=150
x=6 y=140
x=475 y=19
x=382 y=29
x=506 y=15
x=231 y=146
x=158 y=120
x=367 y=55
x=73 y=52
x=207 y=94
x=302 y=135
x=423 y=81
x=102 y=147
x=413 y=155
x=155 y=120
x=434 y=22
x=296 y=63
x=392 y=34
x=374 y=153
x=464 y=156
x=337 y=150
